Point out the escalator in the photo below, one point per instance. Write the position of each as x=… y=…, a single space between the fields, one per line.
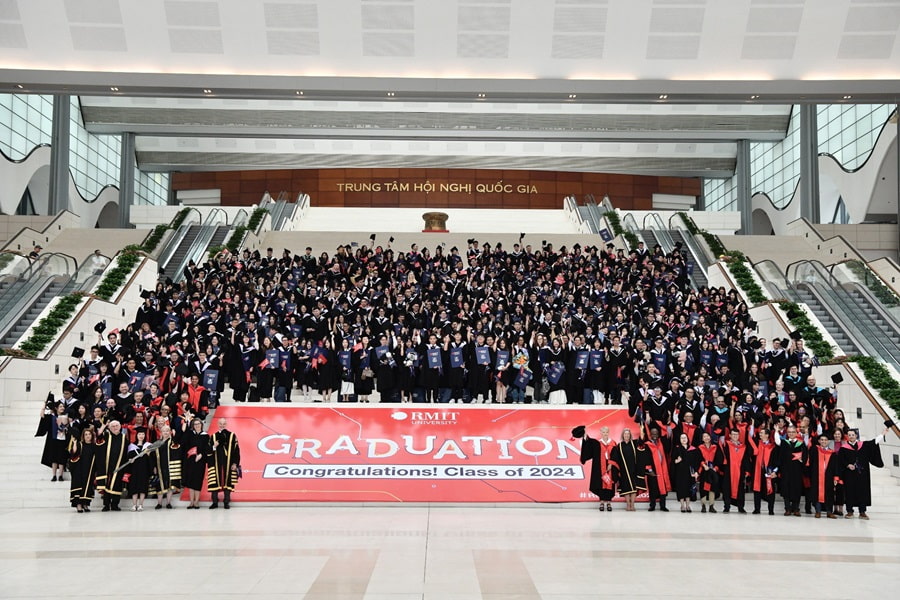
x=176 y=261
x=856 y=320
x=696 y=269
x=28 y=287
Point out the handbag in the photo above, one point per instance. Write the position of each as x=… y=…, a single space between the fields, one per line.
x=367 y=373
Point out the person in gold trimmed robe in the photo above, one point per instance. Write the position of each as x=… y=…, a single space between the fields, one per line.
x=223 y=464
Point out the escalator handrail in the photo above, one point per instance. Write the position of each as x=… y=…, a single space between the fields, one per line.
x=212 y=220
x=240 y=218
x=662 y=234
x=830 y=292
x=629 y=223
x=175 y=241
x=14 y=307
x=196 y=251
x=696 y=254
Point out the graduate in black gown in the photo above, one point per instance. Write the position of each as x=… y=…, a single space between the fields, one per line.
x=623 y=460
x=113 y=443
x=793 y=458
x=855 y=458
x=224 y=462
x=599 y=453
x=84 y=463
x=138 y=472
x=685 y=471
x=166 y=465
x=54 y=425
x=196 y=448
x=822 y=468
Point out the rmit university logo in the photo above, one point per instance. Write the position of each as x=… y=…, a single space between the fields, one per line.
x=427 y=417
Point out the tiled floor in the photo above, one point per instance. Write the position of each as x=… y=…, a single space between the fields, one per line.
x=441 y=552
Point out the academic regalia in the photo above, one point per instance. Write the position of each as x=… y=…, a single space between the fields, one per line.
x=858 y=481
x=822 y=469
x=113 y=449
x=194 y=470
x=683 y=471
x=656 y=470
x=599 y=454
x=793 y=459
x=224 y=456
x=166 y=462
x=764 y=466
x=56 y=442
x=84 y=463
x=712 y=459
x=623 y=459
x=138 y=472
x=738 y=459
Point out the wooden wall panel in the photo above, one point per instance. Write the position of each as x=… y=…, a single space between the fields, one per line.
x=452 y=188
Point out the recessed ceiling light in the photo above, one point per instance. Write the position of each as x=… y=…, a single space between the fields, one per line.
x=114 y=89
x=299 y=93
x=754 y=97
x=207 y=91
x=572 y=96
x=20 y=86
x=482 y=95
x=847 y=97
x=663 y=96
x=390 y=94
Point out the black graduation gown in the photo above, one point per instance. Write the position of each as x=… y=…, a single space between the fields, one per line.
x=138 y=472
x=113 y=450
x=822 y=469
x=683 y=470
x=166 y=461
x=226 y=455
x=858 y=481
x=793 y=459
x=84 y=463
x=194 y=471
x=625 y=468
x=599 y=454
x=56 y=442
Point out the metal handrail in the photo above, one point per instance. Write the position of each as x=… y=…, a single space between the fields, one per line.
x=657 y=226
x=198 y=247
x=240 y=218
x=172 y=245
x=694 y=248
x=88 y=273
x=828 y=290
x=22 y=294
x=629 y=224
x=606 y=204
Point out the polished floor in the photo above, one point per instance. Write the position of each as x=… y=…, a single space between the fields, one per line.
x=403 y=552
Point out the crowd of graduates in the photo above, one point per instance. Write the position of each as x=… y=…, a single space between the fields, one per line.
x=569 y=325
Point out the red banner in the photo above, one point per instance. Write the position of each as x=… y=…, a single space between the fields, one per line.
x=415 y=452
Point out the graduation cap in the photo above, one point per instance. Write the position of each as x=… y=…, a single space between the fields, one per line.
x=796 y=335
x=100 y=327
x=755 y=345
x=521 y=236
x=182 y=369
x=77 y=352
x=578 y=432
x=836 y=378
x=372 y=237
x=610 y=245
x=391 y=240
x=543 y=242
x=889 y=423
x=785 y=342
x=146 y=294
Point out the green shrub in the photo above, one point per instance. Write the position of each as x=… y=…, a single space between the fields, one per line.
x=152 y=240
x=613 y=218
x=744 y=277
x=881 y=379
x=116 y=277
x=811 y=334
x=46 y=330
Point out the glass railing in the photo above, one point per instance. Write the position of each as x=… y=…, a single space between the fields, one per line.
x=828 y=290
x=197 y=249
x=773 y=279
x=654 y=223
x=193 y=218
x=629 y=224
x=43 y=272
x=856 y=275
x=693 y=247
x=88 y=274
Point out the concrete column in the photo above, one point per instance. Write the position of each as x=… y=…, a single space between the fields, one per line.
x=59 y=155
x=126 y=180
x=809 y=164
x=897 y=144
x=742 y=186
